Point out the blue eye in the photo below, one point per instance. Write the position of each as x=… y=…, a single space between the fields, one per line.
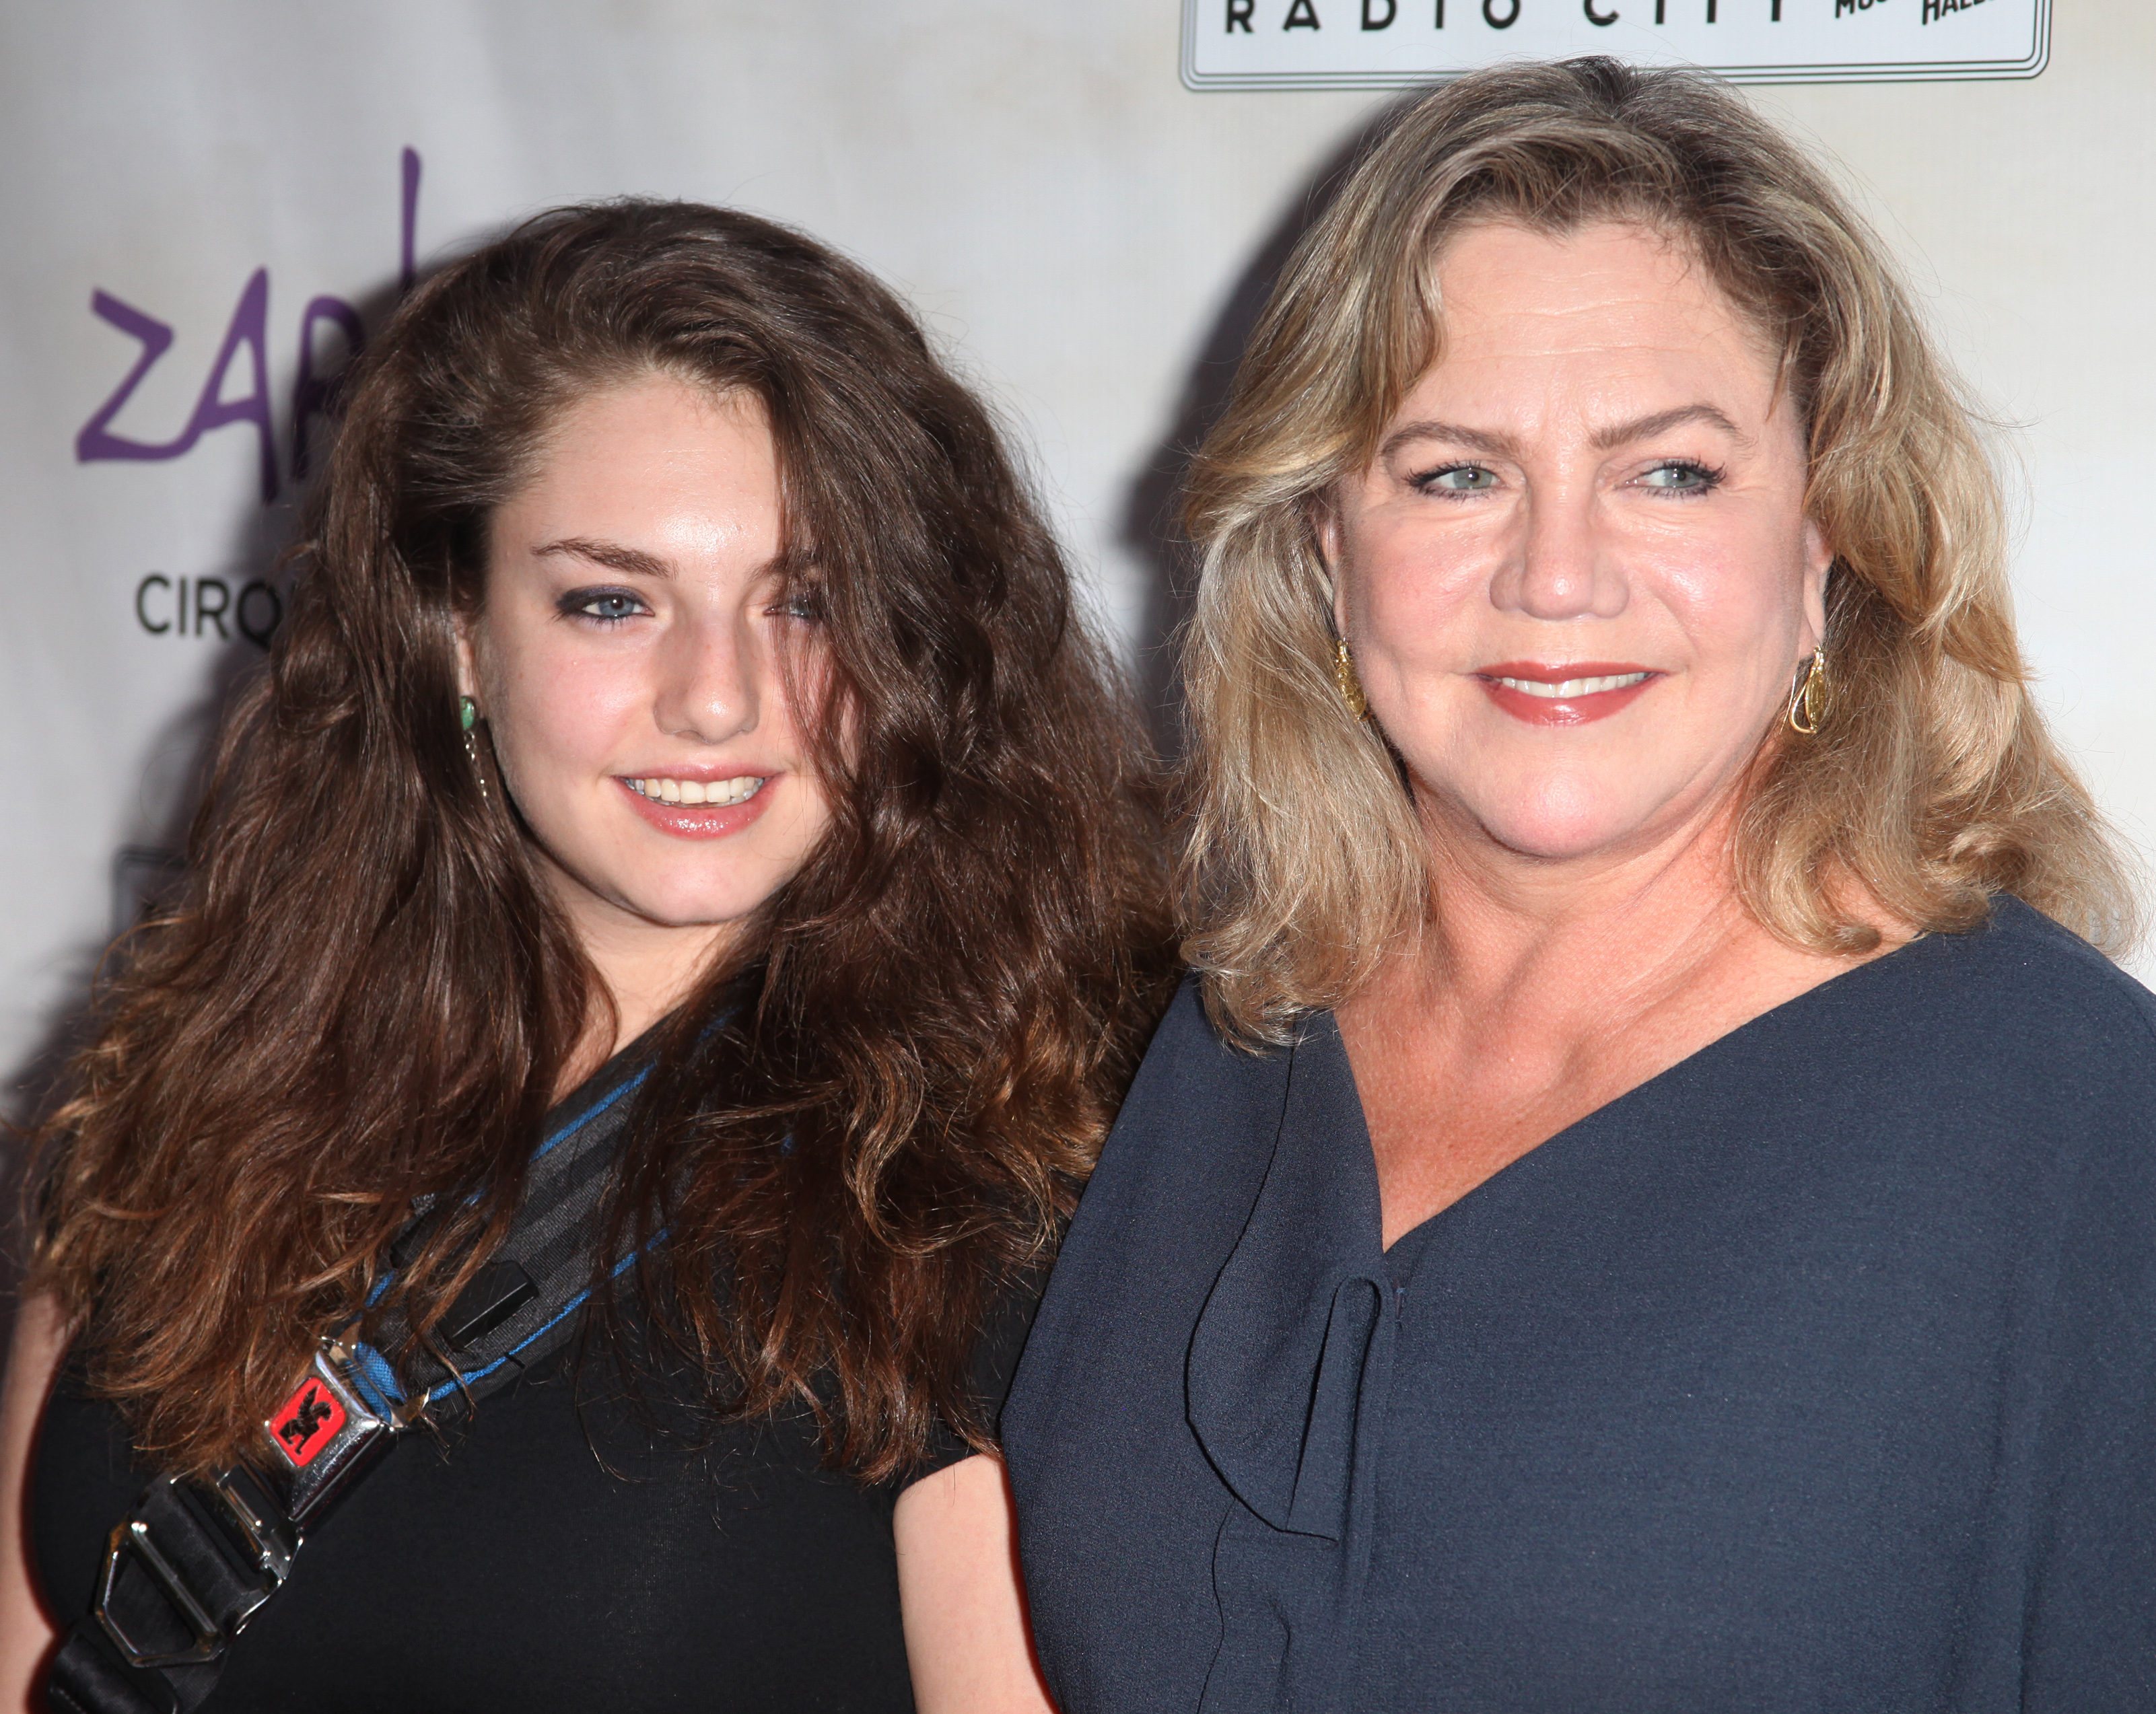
x=609 y=606
x=1682 y=476
x=804 y=602
x=1457 y=479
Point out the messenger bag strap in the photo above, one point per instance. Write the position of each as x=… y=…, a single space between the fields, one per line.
x=188 y=1568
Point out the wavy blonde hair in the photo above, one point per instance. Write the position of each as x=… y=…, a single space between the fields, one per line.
x=1933 y=784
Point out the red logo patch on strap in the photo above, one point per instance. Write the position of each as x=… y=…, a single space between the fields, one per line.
x=309 y=1421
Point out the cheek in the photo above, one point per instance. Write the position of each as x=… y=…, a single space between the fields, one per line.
x=801 y=692
x=1741 y=603
x=556 y=716
x=1405 y=589
x=804 y=686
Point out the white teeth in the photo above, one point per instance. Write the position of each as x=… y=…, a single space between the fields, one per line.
x=721 y=792
x=1571 y=687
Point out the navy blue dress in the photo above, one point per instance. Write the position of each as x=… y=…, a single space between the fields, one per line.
x=1817 y=1373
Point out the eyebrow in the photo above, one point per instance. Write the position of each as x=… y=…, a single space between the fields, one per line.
x=1662 y=422
x=1500 y=446
x=610 y=554
x=1497 y=446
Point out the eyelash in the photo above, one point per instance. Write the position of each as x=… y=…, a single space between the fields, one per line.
x=806 y=604
x=1426 y=483
x=1710 y=478
x=577 y=603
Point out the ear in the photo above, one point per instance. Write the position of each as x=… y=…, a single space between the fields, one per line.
x=1323 y=510
x=467 y=661
x=1819 y=561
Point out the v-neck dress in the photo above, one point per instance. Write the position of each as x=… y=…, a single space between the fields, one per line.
x=1817 y=1373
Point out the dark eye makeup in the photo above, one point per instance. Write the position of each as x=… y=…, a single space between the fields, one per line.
x=805 y=601
x=1667 y=476
x=608 y=607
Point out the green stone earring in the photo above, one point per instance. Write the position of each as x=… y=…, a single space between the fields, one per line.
x=467 y=718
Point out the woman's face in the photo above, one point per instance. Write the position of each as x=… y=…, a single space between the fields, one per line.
x=1578 y=577
x=627 y=658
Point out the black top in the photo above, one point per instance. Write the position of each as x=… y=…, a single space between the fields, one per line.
x=563 y=1549
x=1818 y=1372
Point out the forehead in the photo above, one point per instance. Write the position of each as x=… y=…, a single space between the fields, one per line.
x=651 y=442
x=1609 y=296
x=643 y=413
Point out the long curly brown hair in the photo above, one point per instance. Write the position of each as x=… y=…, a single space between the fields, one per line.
x=867 y=1120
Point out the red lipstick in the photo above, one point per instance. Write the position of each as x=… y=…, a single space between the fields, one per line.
x=1577 y=707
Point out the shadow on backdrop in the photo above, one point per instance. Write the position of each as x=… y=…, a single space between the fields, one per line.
x=1151 y=527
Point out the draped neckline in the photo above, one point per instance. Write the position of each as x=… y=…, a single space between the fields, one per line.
x=1284 y=1372
x=1322 y=1031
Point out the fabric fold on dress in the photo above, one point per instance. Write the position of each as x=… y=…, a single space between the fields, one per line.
x=1288 y=1373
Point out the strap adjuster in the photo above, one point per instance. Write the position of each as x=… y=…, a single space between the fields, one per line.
x=179 y=1580
x=269 y=1540
x=187 y=1569
x=208 y=1640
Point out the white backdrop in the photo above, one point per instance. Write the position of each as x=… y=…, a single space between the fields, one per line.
x=1082 y=230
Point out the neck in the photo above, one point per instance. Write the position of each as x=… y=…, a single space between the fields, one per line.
x=1540 y=990
x=644 y=970
x=1603 y=932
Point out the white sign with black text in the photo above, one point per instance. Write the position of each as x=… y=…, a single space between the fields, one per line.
x=1349 y=45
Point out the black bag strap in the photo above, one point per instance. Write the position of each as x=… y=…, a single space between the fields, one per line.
x=187 y=1569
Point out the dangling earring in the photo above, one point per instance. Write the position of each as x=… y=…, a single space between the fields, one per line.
x=1350 y=685
x=467 y=718
x=1808 y=701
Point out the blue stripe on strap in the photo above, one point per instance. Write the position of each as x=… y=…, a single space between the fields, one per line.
x=377 y=1381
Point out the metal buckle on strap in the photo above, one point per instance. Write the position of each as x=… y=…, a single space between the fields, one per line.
x=323 y=1435
x=133 y=1538
x=205 y=1557
x=202 y=1559
x=269 y=1540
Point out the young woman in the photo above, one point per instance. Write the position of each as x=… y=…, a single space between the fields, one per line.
x=683 y=744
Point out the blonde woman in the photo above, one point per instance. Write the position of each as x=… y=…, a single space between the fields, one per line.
x=1648 y=1202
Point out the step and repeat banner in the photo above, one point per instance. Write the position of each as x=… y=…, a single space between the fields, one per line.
x=1262 y=44
x=210 y=206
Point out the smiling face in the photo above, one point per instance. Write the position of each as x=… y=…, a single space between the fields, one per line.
x=1578 y=578
x=627 y=656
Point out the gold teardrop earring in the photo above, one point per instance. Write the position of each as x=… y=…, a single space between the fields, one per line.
x=1350 y=683
x=1808 y=701
x=468 y=718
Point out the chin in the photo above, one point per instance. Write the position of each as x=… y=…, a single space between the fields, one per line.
x=688 y=909
x=668 y=889
x=1565 y=820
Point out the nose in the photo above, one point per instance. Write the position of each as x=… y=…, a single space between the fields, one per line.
x=1556 y=565
x=707 y=683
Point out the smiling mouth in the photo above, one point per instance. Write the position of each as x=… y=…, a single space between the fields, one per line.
x=1564 y=693
x=1563 y=690
x=661 y=789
